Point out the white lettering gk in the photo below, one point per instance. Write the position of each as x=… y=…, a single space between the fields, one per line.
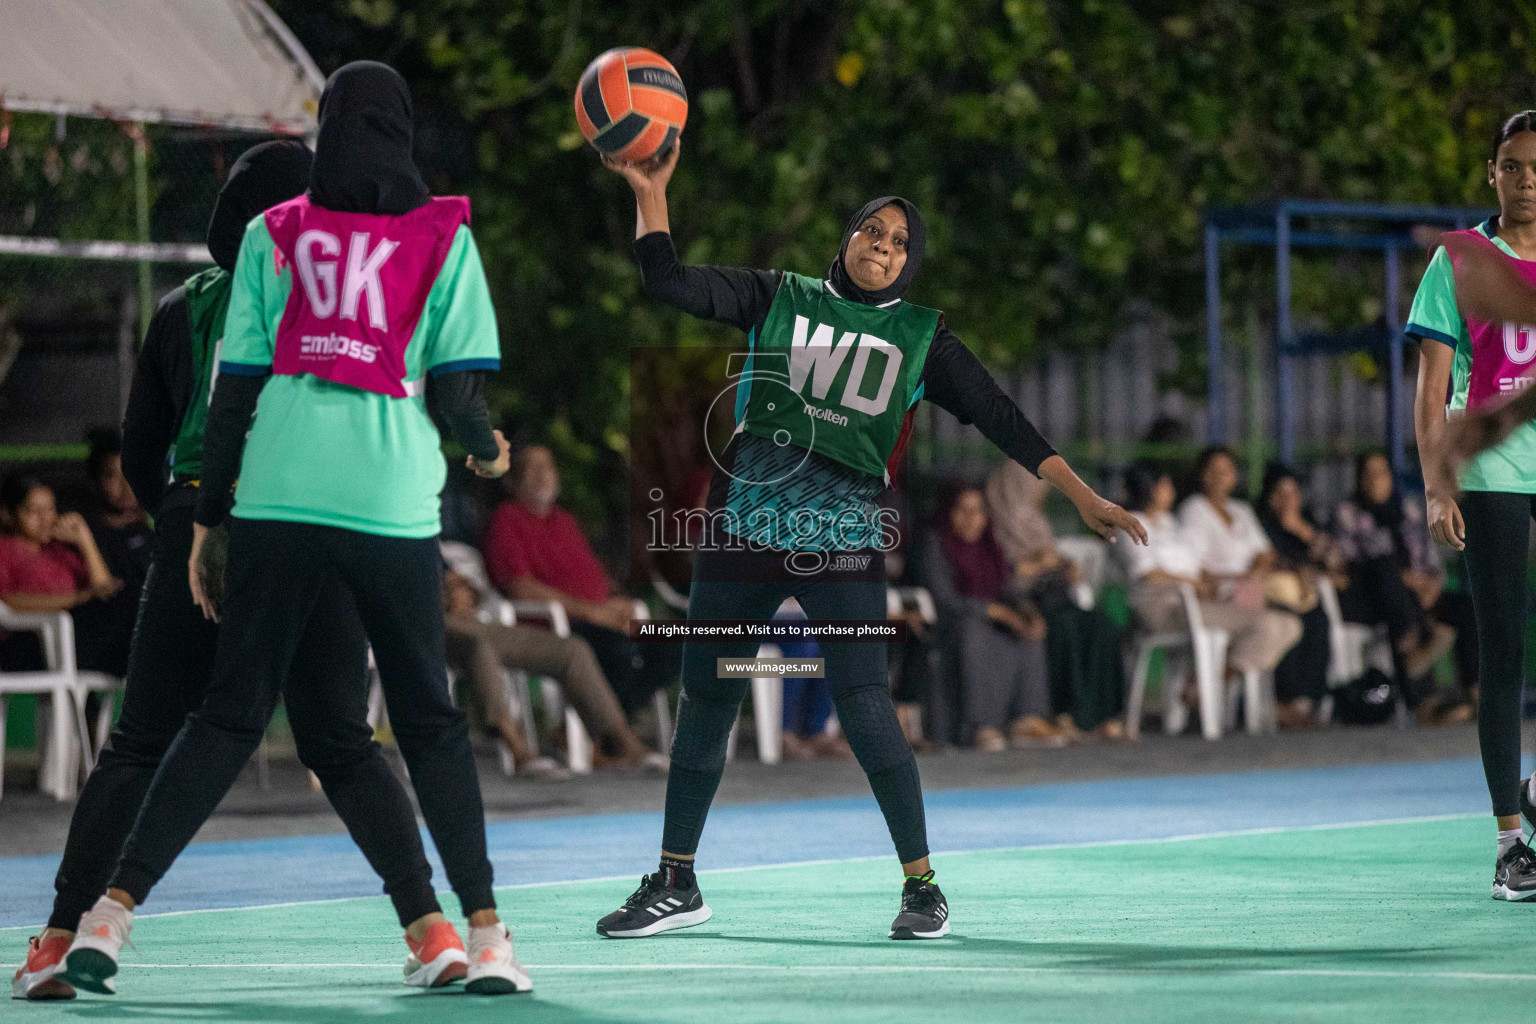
x=318 y=276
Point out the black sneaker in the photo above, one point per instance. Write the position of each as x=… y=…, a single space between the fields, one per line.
x=924 y=910
x=1527 y=809
x=1514 y=874
x=655 y=907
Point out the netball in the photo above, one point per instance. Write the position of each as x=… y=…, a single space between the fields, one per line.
x=631 y=104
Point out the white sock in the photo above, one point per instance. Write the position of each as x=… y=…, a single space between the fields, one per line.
x=1508 y=838
x=1530 y=788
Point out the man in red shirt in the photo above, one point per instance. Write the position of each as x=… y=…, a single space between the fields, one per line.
x=535 y=551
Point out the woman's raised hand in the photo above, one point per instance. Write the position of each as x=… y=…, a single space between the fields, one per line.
x=648 y=176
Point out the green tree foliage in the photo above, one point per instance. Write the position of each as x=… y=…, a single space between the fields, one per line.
x=1061 y=150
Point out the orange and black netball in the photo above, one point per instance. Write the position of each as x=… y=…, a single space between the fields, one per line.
x=631 y=104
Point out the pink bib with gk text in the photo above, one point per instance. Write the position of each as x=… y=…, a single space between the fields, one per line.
x=1503 y=354
x=360 y=283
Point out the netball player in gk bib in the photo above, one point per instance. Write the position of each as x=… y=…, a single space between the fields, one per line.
x=796 y=485
x=1483 y=362
x=352 y=306
x=173 y=644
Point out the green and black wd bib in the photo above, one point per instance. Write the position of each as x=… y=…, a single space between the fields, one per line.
x=207 y=304
x=834 y=376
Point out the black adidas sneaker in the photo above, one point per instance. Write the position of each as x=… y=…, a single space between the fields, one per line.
x=1514 y=874
x=655 y=907
x=924 y=910
x=1527 y=809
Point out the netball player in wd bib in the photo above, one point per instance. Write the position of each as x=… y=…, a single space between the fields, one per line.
x=1469 y=350
x=351 y=308
x=794 y=488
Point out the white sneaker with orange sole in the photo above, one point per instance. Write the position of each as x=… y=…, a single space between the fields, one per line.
x=92 y=958
x=438 y=959
x=35 y=979
x=493 y=969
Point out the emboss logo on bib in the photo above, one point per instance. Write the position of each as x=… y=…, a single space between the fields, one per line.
x=316 y=345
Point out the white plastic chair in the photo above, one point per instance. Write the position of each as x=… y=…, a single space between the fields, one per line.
x=469 y=563
x=1218 y=703
x=68 y=744
x=1352 y=648
x=1091 y=556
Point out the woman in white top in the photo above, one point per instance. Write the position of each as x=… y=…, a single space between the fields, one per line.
x=1175 y=555
x=1233 y=546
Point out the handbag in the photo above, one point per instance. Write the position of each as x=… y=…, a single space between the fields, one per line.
x=1290 y=591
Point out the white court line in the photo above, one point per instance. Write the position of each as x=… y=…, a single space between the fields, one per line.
x=1091 y=844
x=1298 y=972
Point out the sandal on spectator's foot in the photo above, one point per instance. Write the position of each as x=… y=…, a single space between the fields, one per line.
x=542 y=769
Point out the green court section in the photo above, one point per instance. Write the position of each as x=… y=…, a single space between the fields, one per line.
x=1388 y=922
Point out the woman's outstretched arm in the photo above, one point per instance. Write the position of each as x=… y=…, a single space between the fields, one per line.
x=732 y=295
x=955 y=381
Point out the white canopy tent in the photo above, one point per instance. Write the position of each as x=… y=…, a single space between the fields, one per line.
x=218 y=64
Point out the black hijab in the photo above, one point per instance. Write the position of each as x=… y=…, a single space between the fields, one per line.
x=916 y=237
x=265 y=175
x=363 y=157
x=1291 y=549
x=1388 y=515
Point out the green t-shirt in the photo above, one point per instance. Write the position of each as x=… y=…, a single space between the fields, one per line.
x=1511 y=467
x=336 y=455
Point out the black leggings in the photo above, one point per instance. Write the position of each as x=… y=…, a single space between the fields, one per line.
x=278 y=576
x=168 y=672
x=749 y=586
x=1498 y=531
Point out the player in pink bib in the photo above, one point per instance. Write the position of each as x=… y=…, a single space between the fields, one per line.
x=352 y=310
x=1473 y=316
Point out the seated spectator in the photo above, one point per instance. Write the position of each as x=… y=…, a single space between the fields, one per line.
x=480 y=650
x=50 y=563
x=1396 y=581
x=1234 y=551
x=120 y=526
x=998 y=647
x=1303 y=551
x=1174 y=556
x=534 y=550
x=1087 y=676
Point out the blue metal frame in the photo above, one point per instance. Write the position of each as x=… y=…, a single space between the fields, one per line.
x=1273 y=223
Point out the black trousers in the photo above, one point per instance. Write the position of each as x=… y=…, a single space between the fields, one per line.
x=634 y=671
x=1498 y=532
x=749 y=586
x=277 y=578
x=168 y=671
x=1303 y=672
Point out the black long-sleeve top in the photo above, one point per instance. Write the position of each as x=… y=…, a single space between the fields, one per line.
x=832 y=493
x=162 y=389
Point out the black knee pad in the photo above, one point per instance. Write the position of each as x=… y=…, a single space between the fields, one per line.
x=868 y=719
x=703 y=729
